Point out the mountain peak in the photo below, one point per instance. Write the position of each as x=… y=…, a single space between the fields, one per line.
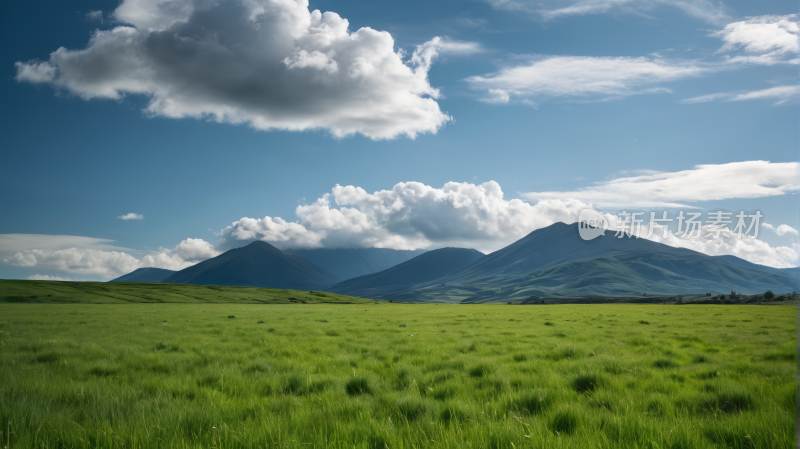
x=259 y=244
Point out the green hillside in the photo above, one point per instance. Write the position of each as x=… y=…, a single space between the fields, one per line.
x=56 y=292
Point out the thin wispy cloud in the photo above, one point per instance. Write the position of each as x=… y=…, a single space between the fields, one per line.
x=582 y=78
x=708 y=11
x=764 y=40
x=131 y=216
x=782 y=95
x=749 y=179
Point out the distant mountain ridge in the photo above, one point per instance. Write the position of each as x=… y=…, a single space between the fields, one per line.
x=148 y=274
x=423 y=268
x=258 y=264
x=552 y=261
x=348 y=263
x=556 y=261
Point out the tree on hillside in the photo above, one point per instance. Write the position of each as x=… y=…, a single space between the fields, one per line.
x=769 y=295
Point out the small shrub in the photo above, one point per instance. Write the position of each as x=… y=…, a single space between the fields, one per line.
x=520 y=357
x=565 y=421
x=331 y=333
x=452 y=413
x=231 y=316
x=533 y=404
x=46 y=358
x=664 y=363
x=586 y=382
x=357 y=385
x=103 y=371
x=547 y=323
x=402 y=325
x=271 y=330
x=295 y=385
x=479 y=371
x=643 y=322
x=660 y=406
x=410 y=409
x=260 y=322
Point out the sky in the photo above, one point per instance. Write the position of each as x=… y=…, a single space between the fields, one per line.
x=161 y=133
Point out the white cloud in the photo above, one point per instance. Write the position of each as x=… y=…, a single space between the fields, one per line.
x=582 y=78
x=270 y=64
x=747 y=248
x=11 y=244
x=424 y=54
x=95 y=16
x=749 y=179
x=35 y=71
x=89 y=261
x=77 y=261
x=131 y=216
x=764 y=40
x=46 y=277
x=783 y=95
x=709 y=11
x=781 y=230
x=409 y=216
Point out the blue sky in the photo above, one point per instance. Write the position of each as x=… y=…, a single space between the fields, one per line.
x=551 y=96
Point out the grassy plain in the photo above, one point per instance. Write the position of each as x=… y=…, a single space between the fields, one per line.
x=57 y=292
x=397 y=376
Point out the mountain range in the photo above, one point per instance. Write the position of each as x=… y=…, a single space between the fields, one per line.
x=555 y=261
x=552 y=261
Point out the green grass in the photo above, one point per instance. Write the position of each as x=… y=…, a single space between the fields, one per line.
x=54 y=292
x=344 y=376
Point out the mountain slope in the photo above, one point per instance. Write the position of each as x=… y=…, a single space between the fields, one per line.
x=555 y=261
x=348 y=263
x=423 y=268
x=148 y=274
x=258 y=264
x=794 y=271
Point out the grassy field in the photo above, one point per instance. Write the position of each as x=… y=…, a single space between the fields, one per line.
x=54 y=292
x=397 y=376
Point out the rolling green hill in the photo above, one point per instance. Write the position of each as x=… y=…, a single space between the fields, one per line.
x=148 y=274
x=57 y=292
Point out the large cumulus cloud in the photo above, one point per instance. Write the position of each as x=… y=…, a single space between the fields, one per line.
x=272 y=64
x=411 y=215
